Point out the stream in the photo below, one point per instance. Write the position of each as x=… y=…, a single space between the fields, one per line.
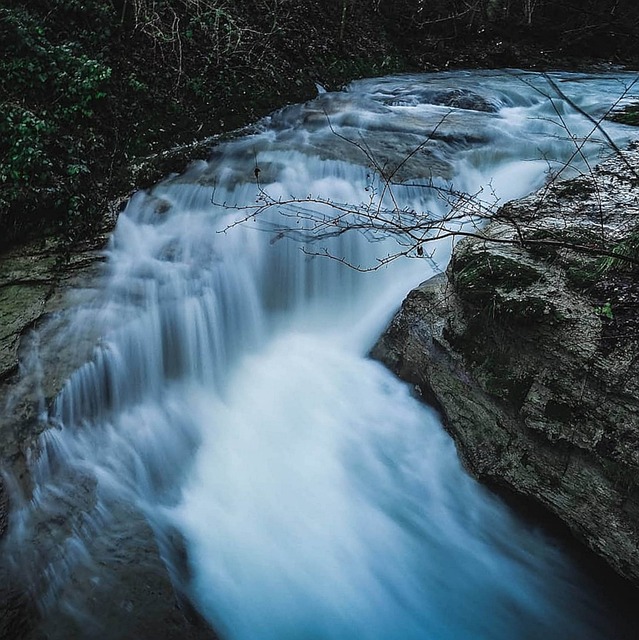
x=229 y=398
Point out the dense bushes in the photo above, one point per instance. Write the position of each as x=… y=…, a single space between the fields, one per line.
x=89 y=87
x=47 y=134
x=582 y=28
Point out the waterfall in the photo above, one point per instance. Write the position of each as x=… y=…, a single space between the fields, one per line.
x=229 y=396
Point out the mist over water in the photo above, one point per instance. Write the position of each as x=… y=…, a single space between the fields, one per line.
x=230 y=396
x=328 y=503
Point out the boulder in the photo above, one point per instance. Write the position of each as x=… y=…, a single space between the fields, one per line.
x=529 y=347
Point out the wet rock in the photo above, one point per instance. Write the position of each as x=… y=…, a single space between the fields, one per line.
x=35 y=282
x=25 y=283
x=513 y=345
x=4 y=508
x=463 y=99
x=122 y=590
x=119 y=588
x=17 y=617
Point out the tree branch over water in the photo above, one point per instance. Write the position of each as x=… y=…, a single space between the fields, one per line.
x=315 y=221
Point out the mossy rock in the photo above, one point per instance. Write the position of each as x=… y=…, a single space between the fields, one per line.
x=551 y=243
x=20 y=305
x=498 y=382
x=625 y=254
x=623 y=476
x=524 y=309
x=628 y=115
x=575 y=187
x=584 y=275
x=492 y=362
x=478 y=274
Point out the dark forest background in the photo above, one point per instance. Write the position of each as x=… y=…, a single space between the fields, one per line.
x=91 y=91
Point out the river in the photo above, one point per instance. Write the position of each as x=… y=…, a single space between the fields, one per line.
x=230 y=398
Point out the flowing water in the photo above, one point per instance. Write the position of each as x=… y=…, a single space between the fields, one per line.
x=230 y=398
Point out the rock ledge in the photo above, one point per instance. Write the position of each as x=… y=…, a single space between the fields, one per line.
x=531 y=352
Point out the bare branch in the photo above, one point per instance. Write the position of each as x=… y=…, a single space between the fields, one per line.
x=314 y=219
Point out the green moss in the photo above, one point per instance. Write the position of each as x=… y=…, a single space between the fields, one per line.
x=628 y=115
x=500 y=287
x=626 y=254
x=477 y=274
x=583 y=275
x=550 y=243
x=582 y=270
x=575 y=187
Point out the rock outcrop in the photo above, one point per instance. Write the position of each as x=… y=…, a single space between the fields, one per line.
x=529 y=346
x=134 y=597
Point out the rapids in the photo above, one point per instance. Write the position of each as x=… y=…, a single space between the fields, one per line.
x=229 y=396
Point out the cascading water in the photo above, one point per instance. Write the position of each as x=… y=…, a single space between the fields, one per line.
x=230 y=397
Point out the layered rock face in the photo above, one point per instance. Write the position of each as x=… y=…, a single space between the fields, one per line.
x=34 y=281
x=529 y=346
x=41 y=286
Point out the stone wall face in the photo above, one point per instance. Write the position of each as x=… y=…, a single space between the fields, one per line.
x=531 y=353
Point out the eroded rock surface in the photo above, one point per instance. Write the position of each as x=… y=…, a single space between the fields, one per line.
x=531 y=352
x=121 y=588
x=40 y=283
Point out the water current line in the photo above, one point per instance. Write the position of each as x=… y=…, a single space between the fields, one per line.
x=230 y=396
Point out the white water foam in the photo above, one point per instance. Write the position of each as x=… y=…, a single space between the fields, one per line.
x=231 y=396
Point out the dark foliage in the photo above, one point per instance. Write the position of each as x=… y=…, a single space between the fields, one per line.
x=90 y=88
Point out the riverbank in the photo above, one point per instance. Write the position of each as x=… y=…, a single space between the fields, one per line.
x=529 y=344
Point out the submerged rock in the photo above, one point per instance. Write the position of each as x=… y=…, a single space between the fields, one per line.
x=463 y=99
x=123 y=592
x=530 y=351
x=16 y=614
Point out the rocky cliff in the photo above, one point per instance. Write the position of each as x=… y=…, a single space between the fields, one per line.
x=529 y=346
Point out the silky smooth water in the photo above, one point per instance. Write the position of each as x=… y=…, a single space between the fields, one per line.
x=230 y=396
